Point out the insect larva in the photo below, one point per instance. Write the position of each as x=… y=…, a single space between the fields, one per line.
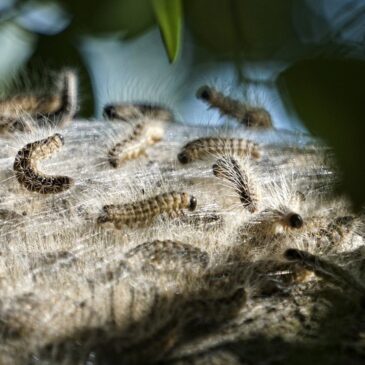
x=60 y=107
x=324 y=269
x=169 y=253
x=129 y=111
x=145 y=211
x=26 y=170
x=228 y=168
x=245 y=114
x=68 y=97
x=136 y=143
x=201 y=147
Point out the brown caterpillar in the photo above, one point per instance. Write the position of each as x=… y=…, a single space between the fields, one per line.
x=60 y=107
x=136 y=143
x=129 y=111
x=324 y=269
x=26 y=170
x=145 y=211
x=228 y=168
x=245 y=114
x=201 y=147
x=169 y=253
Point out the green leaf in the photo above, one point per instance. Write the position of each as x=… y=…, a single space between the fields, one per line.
x=328 y=95
x=169 y=16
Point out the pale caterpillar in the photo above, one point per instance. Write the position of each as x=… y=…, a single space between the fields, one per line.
x=26 y=170
x=229 y=169
x=247 y=115
x=145 y=211
x=130 y=111
x=202 y=147
x=143 y=134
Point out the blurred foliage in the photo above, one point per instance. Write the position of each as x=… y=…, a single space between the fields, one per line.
x=169 y=17
x=328 y=95
x=325 y=92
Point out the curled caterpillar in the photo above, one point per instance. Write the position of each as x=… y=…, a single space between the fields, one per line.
x=129 y=111
x=169 y=253
x=325 y=269
x=229 y=169
x=26 y=170
x=145 y=211
x=60 y=107
x=201 y=147
x=143 y=135
x=245 y=114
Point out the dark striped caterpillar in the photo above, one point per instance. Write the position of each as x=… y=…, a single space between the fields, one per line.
x=145 y=211
x=325 y=269
x=130 y=111
x=245 y=114
x=143 y=135
x=169 y=254
x=202 y=147
x=58 y=108
x=229 y=169
x=26 y=170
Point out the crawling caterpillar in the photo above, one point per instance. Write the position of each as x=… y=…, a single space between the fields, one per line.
x=129 y=111
x=60 y=107
x=169 y=253
x=324 y=269
x=136 y=143
x=245 y=114
x=201 y=147
x=228 y=168
x=145 y=211
x=26 y=170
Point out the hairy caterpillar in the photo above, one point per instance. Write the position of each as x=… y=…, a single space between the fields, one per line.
x=170 y=253
x=201 y=147
x=26 y=170
x=228 y=168
x=60 y=107
x=128 y=111
x=324 y=269
x=145 y=211
x=245 y=114
x=143 y=135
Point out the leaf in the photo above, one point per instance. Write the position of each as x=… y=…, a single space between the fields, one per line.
x=169 y=16
x=328 y=96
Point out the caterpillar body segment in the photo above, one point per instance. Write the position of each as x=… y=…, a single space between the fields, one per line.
x=130 y=111
x=144 y=212
x=229 y=169
x=142 y=136
x=245 y=114
x=169 y=253
x=203 y=147
x=324 y=269
x=26 y=170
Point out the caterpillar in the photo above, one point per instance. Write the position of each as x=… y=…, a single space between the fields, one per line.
x=59 y=108
x=324 y=269
x=145 y=211
x=228 y=168
x=26 y=170
x=136 y=143
x=169 y=253
x=129 y=111
x=201 y=147
x=247 y=115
